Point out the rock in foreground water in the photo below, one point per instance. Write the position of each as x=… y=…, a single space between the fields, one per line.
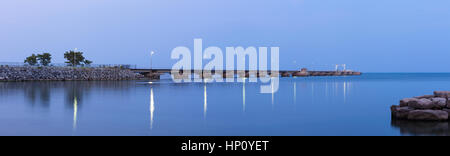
x=434 y=115
x=421 y=104
x=427 y=108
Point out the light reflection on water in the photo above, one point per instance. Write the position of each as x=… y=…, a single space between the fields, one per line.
x=302 y=106
x=152 y=107
x=205 y=104
x=75 y=112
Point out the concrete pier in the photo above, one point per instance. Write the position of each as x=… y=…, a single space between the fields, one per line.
x=156 y=73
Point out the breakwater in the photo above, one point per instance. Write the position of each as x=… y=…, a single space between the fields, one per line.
x=65 y=74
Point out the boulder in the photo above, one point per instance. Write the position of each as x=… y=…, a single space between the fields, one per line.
x=421 y=104
x=446 y=110
x=428 y=115
x=400 y=112
x=439 y=102
x=444 y=94
x=405 y=102
x=425 y=97
x=448 y=103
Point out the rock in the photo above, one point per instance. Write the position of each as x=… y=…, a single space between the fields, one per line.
x=446 y=110
x=400 y=112
x=421 y=104
x=439 y=102
x=425 y=97
x=443 y=94
x=448 y=103
x=428 y=115
x=405 y=102
x=65 y=73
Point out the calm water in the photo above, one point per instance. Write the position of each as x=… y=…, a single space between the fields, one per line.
x=302 y=106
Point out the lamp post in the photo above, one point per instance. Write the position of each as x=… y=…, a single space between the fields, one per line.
x=74 y=52
x=151 y=61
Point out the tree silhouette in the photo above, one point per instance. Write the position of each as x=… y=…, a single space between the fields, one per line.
x=31 y=60
x=75 y=58
x=45 y=59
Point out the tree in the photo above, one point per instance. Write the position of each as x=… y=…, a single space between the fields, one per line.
x=45 y=59
x=87 y=62
x=31 y=60
x=75 y=58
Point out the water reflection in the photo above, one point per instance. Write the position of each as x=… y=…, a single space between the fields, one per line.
x=243 y=94
x=273 y=95
x=345 y=91
x=422 y=128
x=152 y=108
x=71 y=95
x=75 y=113
x=37 y=93
x=205 y=101
x=122 y=108
x=75 y=94
x=295 y=92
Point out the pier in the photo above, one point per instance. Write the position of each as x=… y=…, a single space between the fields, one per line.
x=156 y=73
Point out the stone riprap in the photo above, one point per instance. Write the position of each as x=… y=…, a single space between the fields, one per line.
x=65 y=74
x=428 y=107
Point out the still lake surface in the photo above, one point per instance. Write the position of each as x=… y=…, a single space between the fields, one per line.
x=356 y=105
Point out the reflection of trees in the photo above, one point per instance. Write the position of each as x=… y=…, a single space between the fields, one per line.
x=81 y=90
x=39 y=93
x=422 y=127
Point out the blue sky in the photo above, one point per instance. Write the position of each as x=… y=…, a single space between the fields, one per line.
x=369 y=35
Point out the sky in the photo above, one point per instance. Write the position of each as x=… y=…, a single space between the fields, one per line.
x=369 y=35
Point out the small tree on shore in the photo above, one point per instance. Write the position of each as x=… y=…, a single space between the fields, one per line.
x=31 y=60
x=45 y=59
x=87 y=62
x=75 y=58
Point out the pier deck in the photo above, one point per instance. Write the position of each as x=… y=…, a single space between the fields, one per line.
x=156 y=73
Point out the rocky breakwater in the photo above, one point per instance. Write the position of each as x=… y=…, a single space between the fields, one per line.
x=426 y=108
x=65 y=74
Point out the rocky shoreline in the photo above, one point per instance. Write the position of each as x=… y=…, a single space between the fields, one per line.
x=65 y=74
x=426 y=108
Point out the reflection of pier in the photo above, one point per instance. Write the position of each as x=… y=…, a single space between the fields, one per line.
x=156 y=73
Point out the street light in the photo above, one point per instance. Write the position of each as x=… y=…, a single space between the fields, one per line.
x=74 y=51
x=151 y=60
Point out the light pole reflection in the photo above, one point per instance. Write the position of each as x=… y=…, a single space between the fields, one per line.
x=243 y=94
x=205 y=100
x=75 y=113
x=152 y=108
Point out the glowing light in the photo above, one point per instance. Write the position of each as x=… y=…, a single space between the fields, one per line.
x=152 y=108
x=75 y=112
